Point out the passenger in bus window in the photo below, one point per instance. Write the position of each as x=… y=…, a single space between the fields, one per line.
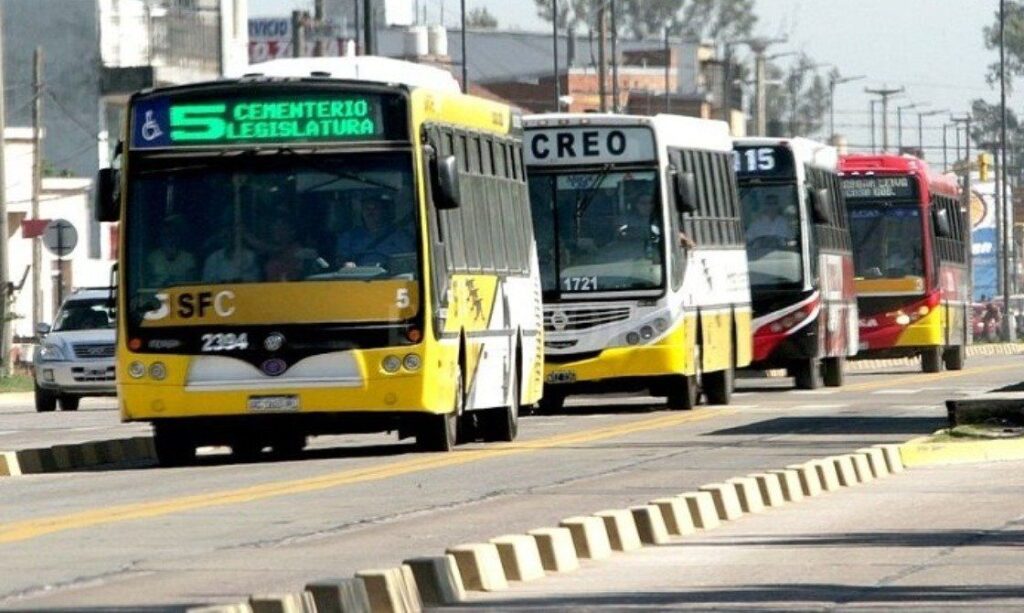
x=169 y=264
x=770 y=223
x=377 y=239
x=231 y=263
x=288 y=260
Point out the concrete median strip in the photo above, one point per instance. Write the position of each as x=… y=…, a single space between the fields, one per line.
x=789 y=481
x=75 y=456
x=480 y=566
x=770 y=487
x=893 y=460
x=650 y=524
x=342 y=595
x=241 y=607
x=810 y=482
x=876 y=459
x=519 y=556
x=391 y=590
x=845 y=470
x=621 y=527
x=748 y=494
x=702 y=509
x=283 y=603
x=727 y=503
x=676 y=514
x=589 y=536
x=863 y=467
x=827 y=474
x=557 y=552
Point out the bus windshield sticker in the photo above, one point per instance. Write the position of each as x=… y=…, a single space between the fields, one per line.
x=879 y=187
x=763 y=162
x=166 y=123
x=589 y=145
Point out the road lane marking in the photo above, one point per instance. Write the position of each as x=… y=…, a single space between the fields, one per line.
x=898 y=392
x=34 y=528
x=928 y=377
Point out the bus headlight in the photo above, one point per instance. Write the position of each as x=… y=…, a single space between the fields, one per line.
x=661 y=324
x=411 y=362
x=632 y=338
x=903 y=319
x=136 y=370
x=158 y=371
x=391 y=364
x=646 y=333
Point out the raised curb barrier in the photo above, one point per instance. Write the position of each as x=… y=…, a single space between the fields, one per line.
x=519 y=556
x=74 y=456
x=557 y=551
x=827 y=474
x=789 y=481
x=589 y=536
x=892 y=457
x=862 y=467
x=845 y=471
x=438 y=580
x=925 y=452
x=346 y=595
x=650 y=524
x=727 y=503
x=391 y=590
x=702 y=509
x=621 y=527
x=876 y=459
x=283 y=603
x=770 y=487
x=676 y=514
x=810 y=482
x=748 y=494
x=242 y=607
x=480 y=566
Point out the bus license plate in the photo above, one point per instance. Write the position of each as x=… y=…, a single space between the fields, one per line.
x=561 y=376
x=273 y=403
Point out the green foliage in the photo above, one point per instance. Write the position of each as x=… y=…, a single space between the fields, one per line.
x=481 y=19
x=719 y=19
x=985 y=128
x=1014 y=36
x=798 y=106
x=15 y=383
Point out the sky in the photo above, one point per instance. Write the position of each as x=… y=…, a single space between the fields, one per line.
x=932 y=48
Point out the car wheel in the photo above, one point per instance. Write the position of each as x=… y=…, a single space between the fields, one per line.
x=46 y=402
x=69 y=403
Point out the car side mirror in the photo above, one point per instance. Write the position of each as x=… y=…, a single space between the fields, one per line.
x=941 y=221
x=105 y=205
x=42 y=328
x=821 y=205
x=447 y=194
x=684 y=188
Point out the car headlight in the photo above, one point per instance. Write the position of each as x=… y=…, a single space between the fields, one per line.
x=51 y=353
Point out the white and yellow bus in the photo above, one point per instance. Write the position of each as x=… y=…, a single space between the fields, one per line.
x=306 y=254
x=642 y=256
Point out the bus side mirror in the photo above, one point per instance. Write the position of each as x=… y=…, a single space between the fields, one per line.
x=941 y=221
x=821 y=205
x=447 y=194
x=42 y=328
x=684 y=188
x=105 y=205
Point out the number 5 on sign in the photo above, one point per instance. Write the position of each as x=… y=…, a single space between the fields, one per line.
x=402 y=298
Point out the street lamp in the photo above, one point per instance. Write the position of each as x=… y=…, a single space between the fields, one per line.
x=899 y=121
x=833 y=80
x=920 y=128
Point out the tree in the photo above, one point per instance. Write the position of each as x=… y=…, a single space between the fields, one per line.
x=719 y=19
x=985 y=128
x=800 y=103
x=647 y=18
x=481 y=19
x=1014 y=34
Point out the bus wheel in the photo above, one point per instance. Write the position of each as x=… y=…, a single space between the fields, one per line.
x=551 y=402
x=441 y=432
x=718 y=385
x=246 y=449
x=502 y=424
x=834 y=371
x=288 y=445
x=173 y=447
x=954 y=357
x=682 y=393
x=807 y=374
x=931 y=360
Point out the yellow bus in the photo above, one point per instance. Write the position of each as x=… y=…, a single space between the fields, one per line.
x=643 y=264
x=306 y=254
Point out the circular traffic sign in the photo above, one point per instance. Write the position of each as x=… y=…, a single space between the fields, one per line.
x=60 y=237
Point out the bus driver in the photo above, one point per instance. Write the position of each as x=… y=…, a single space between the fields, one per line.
x=377 y=239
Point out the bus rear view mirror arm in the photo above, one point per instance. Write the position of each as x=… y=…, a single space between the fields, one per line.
x=821 y=205
x=684 y=186
x=105 y=201
x=446 y=183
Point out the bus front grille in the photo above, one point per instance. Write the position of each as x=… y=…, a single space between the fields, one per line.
x=580 y=318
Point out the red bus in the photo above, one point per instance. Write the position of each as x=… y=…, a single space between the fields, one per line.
x=910 y=244
x=799 y=257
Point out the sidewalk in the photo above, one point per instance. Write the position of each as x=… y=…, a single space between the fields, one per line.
x=945 y=537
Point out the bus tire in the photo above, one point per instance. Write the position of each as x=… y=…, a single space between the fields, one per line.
x=551 y=402
x=718 y=386
x=173 y=447
x=46 y=402
x=441 y=432
x=954 y=357
x=931 y=360
x=835 y=371
x=807 y=374
x=288 y=445
x=69 y=403
x=502 y=424
x=682 y=393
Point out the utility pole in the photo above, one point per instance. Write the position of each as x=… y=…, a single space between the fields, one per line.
x=965 y=195
x=874 y=148
x=355 y=23
x=945 y=148
x=6 y=288
x=299 y=20
x=615 y=57
x=369 y=35
x=37 y=184
x=899 y=123
x=885 y=93
x=833 y=80
x=727 y=85
x=602 y=58
x=1007 y=214
x=668 y=61
x=554 y=54
x=318 y=19
x=920 y=129
x=759 y=46
x=465 y=60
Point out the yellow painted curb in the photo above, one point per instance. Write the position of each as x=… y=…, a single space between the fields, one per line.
x=923 y=452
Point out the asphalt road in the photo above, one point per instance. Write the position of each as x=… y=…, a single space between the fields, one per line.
x=162 y=539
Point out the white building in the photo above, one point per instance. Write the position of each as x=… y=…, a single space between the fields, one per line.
x=64 y=197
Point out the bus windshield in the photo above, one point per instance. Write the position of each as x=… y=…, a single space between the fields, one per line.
x=261 y=219
x=886 y=241
x=598 y=231
x=771 y=219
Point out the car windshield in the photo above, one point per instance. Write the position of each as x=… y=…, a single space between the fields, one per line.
x=886 y=241
x=771 y=219
x=270 y=219
x=598 y=231
x=84 y=315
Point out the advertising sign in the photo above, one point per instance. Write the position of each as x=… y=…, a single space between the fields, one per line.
x=983 y=240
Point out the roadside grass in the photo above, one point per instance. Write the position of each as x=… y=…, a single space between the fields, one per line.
x=15 y=383
x=976 y=432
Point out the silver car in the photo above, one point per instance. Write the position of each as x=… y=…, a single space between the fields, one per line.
x=75 y=357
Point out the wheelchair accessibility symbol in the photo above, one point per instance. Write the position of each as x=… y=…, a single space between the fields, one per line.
x=150 y=128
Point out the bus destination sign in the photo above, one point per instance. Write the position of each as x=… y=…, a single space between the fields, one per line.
x=165 y=122
x=879 y=187
x=775 y=162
